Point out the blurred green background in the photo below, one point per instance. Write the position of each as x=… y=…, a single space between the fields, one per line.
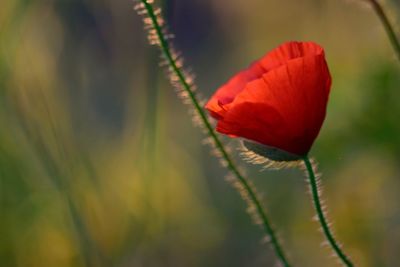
x=100 y=164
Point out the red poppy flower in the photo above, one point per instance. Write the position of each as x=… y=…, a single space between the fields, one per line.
x=279 y=101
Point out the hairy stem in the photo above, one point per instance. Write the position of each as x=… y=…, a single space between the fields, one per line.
x=321 y=214
x=387 y=25
x=252 y=196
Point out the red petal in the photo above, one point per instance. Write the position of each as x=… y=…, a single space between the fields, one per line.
x=283 y=109
x=217 y=105
x=227 y=93
x=288 y=51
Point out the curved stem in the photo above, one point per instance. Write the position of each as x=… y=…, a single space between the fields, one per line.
x=253 y=199
x=387 y=25
x=321 y=215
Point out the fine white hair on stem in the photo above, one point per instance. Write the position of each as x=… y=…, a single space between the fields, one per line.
x=266 y=163
x=309 y=166
x=251 y=208
x=174 y=77
x=183 y=82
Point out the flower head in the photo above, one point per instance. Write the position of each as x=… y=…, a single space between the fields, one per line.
x=278 y=102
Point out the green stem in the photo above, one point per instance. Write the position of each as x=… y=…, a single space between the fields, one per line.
x=166 y=50
x=321 y=215
x=387 y=25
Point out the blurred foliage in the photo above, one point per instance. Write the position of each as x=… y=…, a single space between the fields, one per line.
x=100 y=165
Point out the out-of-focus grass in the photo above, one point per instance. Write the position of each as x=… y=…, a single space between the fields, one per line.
x=99 y=164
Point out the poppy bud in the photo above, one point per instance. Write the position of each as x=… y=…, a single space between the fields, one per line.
x=277 y=104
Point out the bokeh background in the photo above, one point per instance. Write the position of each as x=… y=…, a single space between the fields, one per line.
x=100 y=164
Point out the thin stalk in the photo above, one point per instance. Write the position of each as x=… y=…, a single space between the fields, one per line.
x=321 y=215
x=253 y=199
x=387 y=25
